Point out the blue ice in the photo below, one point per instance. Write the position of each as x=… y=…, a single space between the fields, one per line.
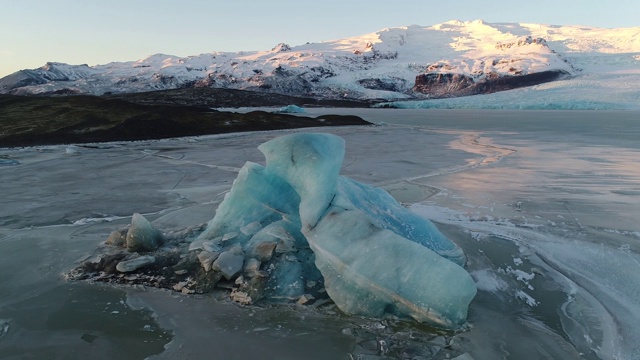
x=374 y=256
x=291 y=109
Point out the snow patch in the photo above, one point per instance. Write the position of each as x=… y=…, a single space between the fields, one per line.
x=487 y=280
x=526 y=298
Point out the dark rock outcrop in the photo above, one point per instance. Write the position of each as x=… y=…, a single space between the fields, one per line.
x=392 y=84
x=281 y=47
x=439 y=85
x=442 y=84
x=527 y=40
x=85 y=119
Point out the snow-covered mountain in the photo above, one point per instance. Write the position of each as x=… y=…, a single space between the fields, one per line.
x=414 y=62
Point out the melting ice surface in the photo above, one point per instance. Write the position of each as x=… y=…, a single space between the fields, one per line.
x=375 y=256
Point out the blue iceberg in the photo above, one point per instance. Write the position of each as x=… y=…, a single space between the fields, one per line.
x=302 y=225
x=291 y=109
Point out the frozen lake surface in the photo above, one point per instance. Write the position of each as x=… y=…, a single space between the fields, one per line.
x=545 y=205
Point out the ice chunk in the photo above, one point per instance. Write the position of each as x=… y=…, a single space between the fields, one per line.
x=196 y=245
x=374 y=255
x=142 y=236
x=211 y=246
x=251 y=228
x=4 y=327
x=287 y=282
x=369 y=271
x=256 y=196
x=229 y=236
x=292 y=109
x=72 y=150
x=273 y=237
x=311 y=164
x=8 y=162
x=383 y=211
x=135 y=264
x=229 y=263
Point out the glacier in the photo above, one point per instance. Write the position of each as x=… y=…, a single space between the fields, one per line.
x=300 y=224
x=604 y=91
x=429 y=63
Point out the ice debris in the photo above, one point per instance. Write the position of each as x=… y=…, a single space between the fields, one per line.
x=296 y=231
x=4 y=327
x=372 y=255
x=140 y=236
x=135 y=264
x=8 y=162
x=229 y=263
x=291 y=109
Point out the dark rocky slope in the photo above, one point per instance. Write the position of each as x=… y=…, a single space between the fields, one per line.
x=440 y=85
x=219 y=97
x=27 y=121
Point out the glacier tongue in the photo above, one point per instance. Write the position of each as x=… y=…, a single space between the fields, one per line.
x=315 y=226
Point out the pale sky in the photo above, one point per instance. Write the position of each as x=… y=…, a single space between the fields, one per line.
x=92 y=32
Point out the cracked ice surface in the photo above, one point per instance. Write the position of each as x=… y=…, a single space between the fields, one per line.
x=568 y=195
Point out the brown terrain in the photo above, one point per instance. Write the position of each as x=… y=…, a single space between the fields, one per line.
x=46 y=120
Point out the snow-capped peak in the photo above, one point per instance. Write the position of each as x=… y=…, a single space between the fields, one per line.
x=387 y=64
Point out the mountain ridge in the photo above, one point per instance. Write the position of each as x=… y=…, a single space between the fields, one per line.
x=390 y=64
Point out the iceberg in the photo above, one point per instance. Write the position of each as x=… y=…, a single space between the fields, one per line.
x=291 y=109
x=141 y=236
x=311 y=164
x=303 y=227
x=371 y=271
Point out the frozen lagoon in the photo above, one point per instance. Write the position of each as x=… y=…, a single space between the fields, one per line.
x=544 y=204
